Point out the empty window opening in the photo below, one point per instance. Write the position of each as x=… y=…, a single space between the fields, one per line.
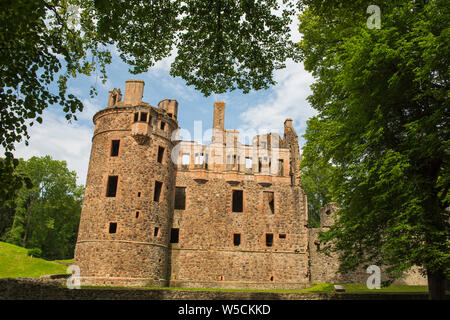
x=157 y=194
x=111 y=188
x=136 y=116
x=237 y=239
x=170 y=115
x=282 y=236
x=115 y=148
x=238 y=200
x=259 y=165
x=271 y=278
x=139 y=194
x=156 y=232
x=137 y=214
x=143 y=116
x=199 y=159
x=221 y=278
x=269 y=202
x=180 y=198
x=160 y=154
x=112 y=227
x=174 y=235
x=269 y=239
x=163 y=126
x=185 y=159
x=280 y=167
x=248 y=163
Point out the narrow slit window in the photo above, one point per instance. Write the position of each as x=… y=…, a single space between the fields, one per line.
x=111 y=188
x=160 y=154
x=236 y=239
x=163 y=126
x=115 y=144
x=259 y=165
x=139 y=194
x=156 y=232
x=112 y=227
x=238 y=201
x=269 y=239
x=157 y=194
x=180 y=198
x=137 y=214
x=143 y=116
x=174 y=235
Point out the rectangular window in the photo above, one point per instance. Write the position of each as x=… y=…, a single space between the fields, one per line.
x=174 y=235
x=157 y=194
x=115 y=148
x=248 y=163
x=136 y=116
x=269 y=202
x=143 y=116
x=237 y=239
x=180 y=198
x=156 y=232
x=163 y=126
x=282 y=235
x=185 y=159
x=280 y=167
x=269 y=239
x=160 y=154
x=259 y=165
x=111 y=188
x=137 y=214
x=238 y=200
x=112 y=227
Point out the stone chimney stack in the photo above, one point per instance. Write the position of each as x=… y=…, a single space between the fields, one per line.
x=218 y=121
x=134 y=90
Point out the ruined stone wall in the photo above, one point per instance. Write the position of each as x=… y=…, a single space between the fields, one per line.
x=206 y=255
x=135 y=254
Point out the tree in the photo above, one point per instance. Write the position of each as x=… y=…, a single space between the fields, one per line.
x=382 y=97
x=314 y=179
x=46 y=216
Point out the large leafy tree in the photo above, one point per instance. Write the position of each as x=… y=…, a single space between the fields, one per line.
x=383 y=100
x=46 y=215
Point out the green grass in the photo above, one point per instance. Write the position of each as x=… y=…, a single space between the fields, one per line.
x=318 y=288
x=15 y=263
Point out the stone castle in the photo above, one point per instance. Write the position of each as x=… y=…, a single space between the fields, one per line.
x=158 y=211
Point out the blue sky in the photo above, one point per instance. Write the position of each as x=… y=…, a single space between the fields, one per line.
x=253 y=113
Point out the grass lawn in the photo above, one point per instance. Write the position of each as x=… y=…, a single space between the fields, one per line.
x=15 y=263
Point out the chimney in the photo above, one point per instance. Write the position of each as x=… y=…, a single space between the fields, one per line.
x=134 y=90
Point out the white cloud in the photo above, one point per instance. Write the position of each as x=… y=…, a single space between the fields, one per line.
x=288 y=100
x=62 y=141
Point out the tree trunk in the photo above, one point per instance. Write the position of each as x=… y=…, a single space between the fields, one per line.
x=436 y=285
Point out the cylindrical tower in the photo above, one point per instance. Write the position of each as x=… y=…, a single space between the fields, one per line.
x=124 y=231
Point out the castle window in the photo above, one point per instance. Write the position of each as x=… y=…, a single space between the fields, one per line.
x=269 y=202
x=237 y=239
x=115 y=148
x=238 y=201
x=139 y=194
x=112 y=227
x=282 y=235
x=174 y=235
x=269 y=239
x=163 y=126
x=160 y=154
x=199 y=159
x=143 y=116
x=111 y=188
x=157 y=194
x=259 y=165
x=185 y=159
x=156 y=232
x=137 y=214
x=180 y=198
x=280 y=167
x=136 y=116
x=170 y=115
x=248 y=163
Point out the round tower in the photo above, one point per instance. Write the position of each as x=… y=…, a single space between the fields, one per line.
x=124 y=230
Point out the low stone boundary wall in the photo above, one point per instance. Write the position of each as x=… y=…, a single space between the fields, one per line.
x=44 y=289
